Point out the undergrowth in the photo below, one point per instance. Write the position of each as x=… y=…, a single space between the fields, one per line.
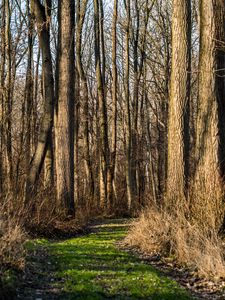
x=201 y=250
x=18 y=224
x=12 y=255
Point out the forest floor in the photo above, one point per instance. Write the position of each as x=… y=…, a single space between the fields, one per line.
x=92 y=267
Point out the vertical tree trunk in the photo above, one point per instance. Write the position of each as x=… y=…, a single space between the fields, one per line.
x=35 y=102
x=28 y=95
x=134 y=129
x=114 y=101
x=49 y=165
x=163 y=116
x=102 y=43
x=130 y=193
x=178 y=139
x=76 y=138
x=207 y=202
x=2 y=104
x=65 y=108
x=49 y=157
x=38 y=10
x=151 y=164
x=8 y=98
x=104 y=146
x=162 y=145
x=139 y=131
x=81 y=11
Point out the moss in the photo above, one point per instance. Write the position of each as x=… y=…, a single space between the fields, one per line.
x=31 y=245
x=91 y=267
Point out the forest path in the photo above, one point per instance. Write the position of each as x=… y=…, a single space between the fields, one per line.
x=92 y=267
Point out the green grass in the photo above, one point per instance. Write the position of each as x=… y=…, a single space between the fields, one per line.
x=91 y=267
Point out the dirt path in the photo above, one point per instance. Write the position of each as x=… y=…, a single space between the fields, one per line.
x=91 y=267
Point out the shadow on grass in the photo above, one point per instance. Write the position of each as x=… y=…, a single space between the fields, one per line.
x=91 y=267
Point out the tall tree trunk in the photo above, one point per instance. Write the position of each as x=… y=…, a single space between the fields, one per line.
x=81 y=11
x=139 y=132
x=2 y=104
x=39 y=12
x=35 y=102
x=8 y=98
x=178 y=137
x=76 y=138
x=130 y=192
x=111 y=173
x=207 y=202
x=134 y=129
x=104 y=146
x=102 y=43
x=65 y=108
x=28 y=95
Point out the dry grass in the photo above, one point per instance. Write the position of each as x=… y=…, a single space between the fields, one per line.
x=12 y=239
x=12 y=254
x=43 y=219
x=157 y=231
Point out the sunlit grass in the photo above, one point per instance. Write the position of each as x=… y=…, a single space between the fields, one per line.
x=91 y=267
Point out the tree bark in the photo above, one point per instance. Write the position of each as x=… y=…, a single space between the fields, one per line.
x=8 y=96
x=65 y=108
x=178 y=136
x=111 y=174
x=207 y=202
x=84 y=86
x=104 y=145
x=38 y=10
x=130 y=192
x=28 y=95
x=2 y=104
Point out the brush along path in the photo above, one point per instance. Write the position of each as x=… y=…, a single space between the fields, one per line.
x=91 y=267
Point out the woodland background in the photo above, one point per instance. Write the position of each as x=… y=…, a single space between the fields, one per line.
x=116 y=109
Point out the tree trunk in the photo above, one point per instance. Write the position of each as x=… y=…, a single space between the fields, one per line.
x=65 y=108
x=2 y=104
x=130 y=192
x=84 y=86
x=104 y=146
x=49 y=165
x=207 y=202
x=114 y=101
x=28 y=98
x=134 y=125
x=8 y=97
x=38 y=10
x=76 y=138
x=178 y=136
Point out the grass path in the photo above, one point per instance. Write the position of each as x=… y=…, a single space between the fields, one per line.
x=91 y=267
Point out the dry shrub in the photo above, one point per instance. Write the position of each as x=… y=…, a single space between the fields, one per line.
x=43 y=219
x=207 y=205
x=12 y=251
x=157 y=231
x=12 y=240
